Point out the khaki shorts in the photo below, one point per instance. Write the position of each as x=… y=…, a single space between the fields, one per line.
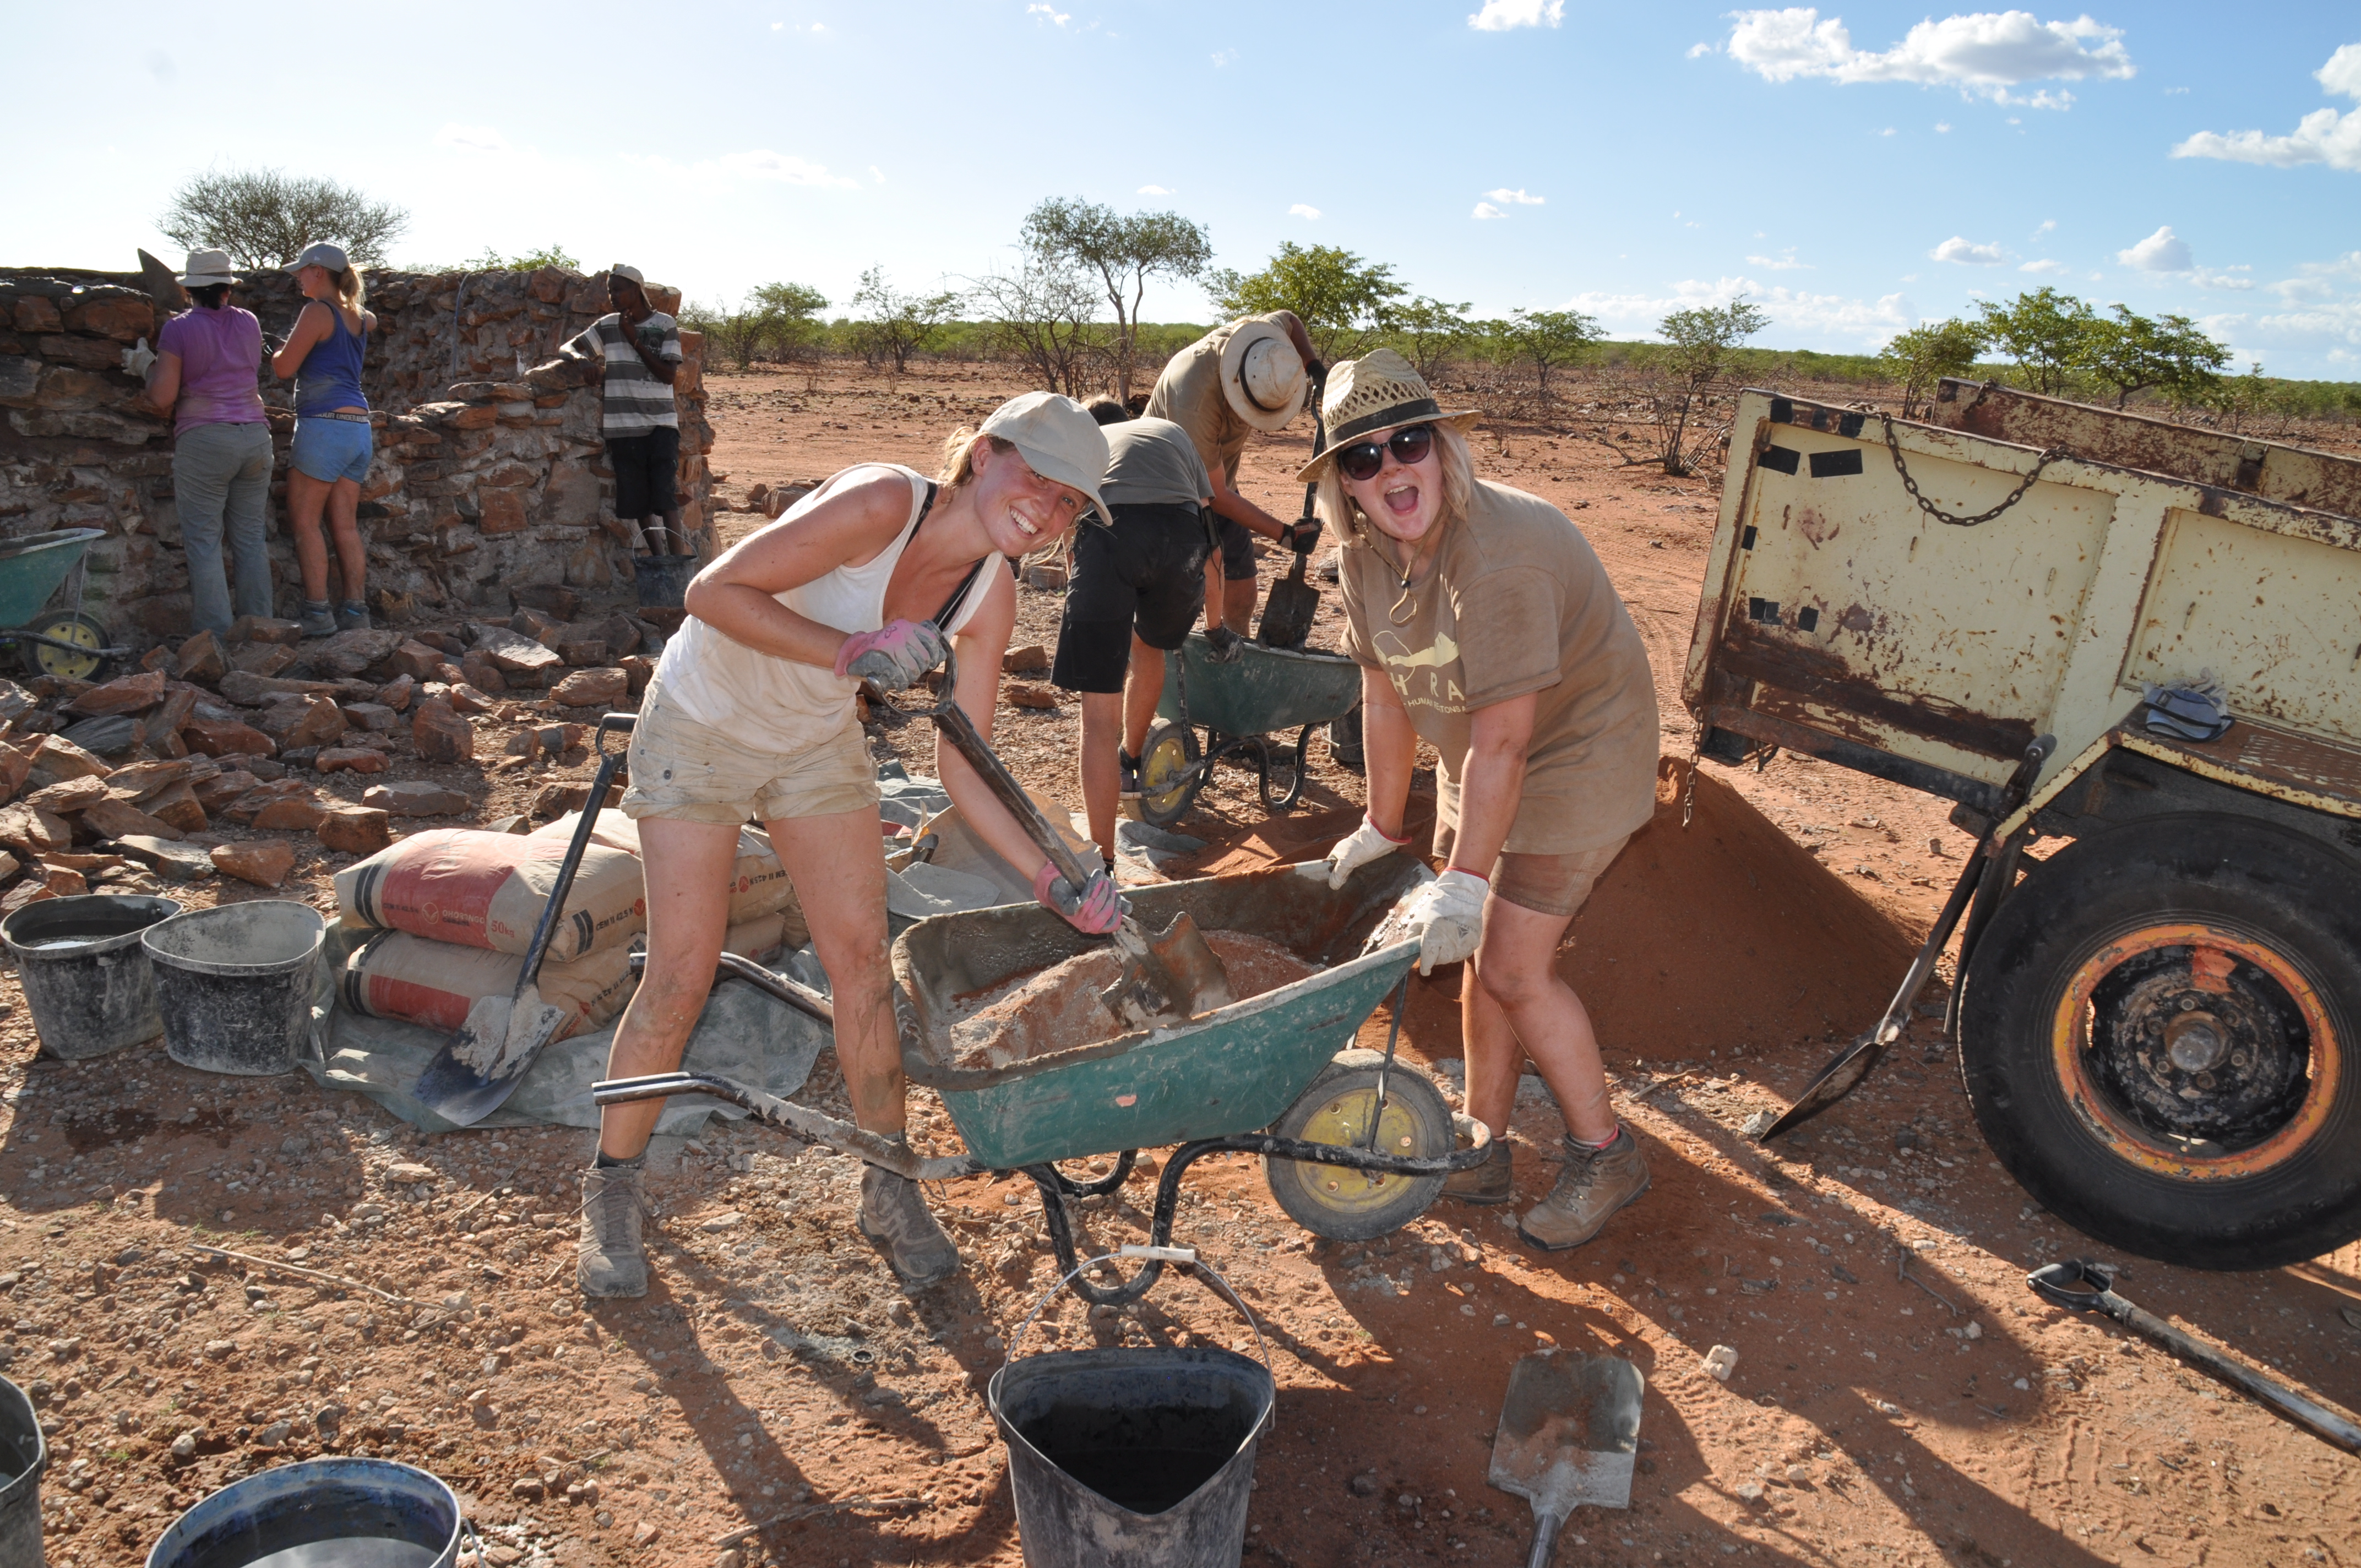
x=1546 y=884
x=689 y=771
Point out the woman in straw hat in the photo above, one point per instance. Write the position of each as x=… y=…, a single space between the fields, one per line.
x=750 y=715
x=1485 y=628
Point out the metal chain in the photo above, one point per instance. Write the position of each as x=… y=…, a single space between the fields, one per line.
x=1937 y=513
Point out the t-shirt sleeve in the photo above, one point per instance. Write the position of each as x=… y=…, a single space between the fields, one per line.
x=671 y=349
x=172 y=338
x=1198 y=477
x=586 y=343
x=1508 y=622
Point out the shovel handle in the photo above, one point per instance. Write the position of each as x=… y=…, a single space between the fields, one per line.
x=960 y=731
x=608 y=762
x=1545 y=1529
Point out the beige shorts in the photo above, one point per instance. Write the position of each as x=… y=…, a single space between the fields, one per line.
x=1546 y=884
x=690 y=771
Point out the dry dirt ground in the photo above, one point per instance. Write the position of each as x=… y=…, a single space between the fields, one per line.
x=776 y=1397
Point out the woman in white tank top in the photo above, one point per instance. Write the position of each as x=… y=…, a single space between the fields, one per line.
x=750 y=715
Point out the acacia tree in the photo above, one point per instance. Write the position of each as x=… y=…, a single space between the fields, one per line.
x=1922 y=356
x=264 y=218
x=1701 y=338
x=787 y=318
x=1546 y=340
x=1069 y=233
x=893 y=324
x=2133 y=354
x=1045 y=317
x=1344 y=302
x=1426 y=332
x=2046 y=333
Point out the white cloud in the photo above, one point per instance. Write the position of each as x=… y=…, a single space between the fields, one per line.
x=2163 y=251
x=1302 y=209
x=1966 y=253
x=1886 y=132
x=2046 y=263
x=756 y=163
x=1942 y=127
x=2048 y=225
x=1985 y=52
x=1224 y=57
x=877 y=174
x=480 y=139
x=1699 y=50
x=1500 y=15
x=2205 y=280
x=1783 y=262
x=1485 y=210
x=1153 y=191
x=1792 y=311
x=1516 y=198
x=2324 y=136
x=1049 y=13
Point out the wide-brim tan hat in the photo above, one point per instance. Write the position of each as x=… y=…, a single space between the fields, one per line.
x=1244 y=337
x=1378 y=392
x=1058 y=439
x=207 y=268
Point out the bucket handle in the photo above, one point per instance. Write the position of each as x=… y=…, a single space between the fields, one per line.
x=1183 y=1255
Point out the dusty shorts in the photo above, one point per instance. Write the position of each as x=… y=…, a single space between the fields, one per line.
x=688 y=772
x=1237 y=542
x=646 y=470
x=332 y=449
x=1546 y=884
x=1146 y=574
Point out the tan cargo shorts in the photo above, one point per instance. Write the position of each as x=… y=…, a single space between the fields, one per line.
x=1546 y=884
x=690 y=771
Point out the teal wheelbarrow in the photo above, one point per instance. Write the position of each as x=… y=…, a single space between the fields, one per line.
x=1354 y=1143
x=1245 y=706
x=63 y=643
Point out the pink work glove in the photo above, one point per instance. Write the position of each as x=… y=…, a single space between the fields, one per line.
x=1095 y=910
x=895 y=655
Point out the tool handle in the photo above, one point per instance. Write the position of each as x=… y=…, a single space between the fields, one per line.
x=1545 y=1529
x=2323 y=1421
x=960 y=731
x=609 y=763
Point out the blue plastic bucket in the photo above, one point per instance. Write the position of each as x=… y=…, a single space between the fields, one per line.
x=321 y=1513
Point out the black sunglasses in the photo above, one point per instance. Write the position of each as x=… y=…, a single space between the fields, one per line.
x=1409 y=444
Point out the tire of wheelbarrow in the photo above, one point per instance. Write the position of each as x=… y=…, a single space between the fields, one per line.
x=1348 y=1205
x=66 y=626
x=1170 y=748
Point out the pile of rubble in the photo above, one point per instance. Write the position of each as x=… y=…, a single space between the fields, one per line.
x=103 y=786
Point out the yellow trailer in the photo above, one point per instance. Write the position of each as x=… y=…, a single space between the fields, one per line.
x=2159 y=1022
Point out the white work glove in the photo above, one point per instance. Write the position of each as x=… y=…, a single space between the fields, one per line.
x=136 y=361
x=1366 y=843
x=1447 y=916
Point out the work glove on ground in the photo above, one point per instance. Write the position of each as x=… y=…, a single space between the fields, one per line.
x=1447 y=916
x=895 y=655
x=1095 y=909
x=1357 y=849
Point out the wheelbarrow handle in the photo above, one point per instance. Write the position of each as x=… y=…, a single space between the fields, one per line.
x=620 y=723
x=811 y=1126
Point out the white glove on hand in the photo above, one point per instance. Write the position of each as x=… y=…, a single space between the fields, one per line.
x=136 y=361
x=1366 y=843
x=1447 y=916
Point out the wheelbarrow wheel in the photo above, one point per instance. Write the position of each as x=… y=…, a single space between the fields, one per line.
x=1282 y=772
x=1169 y=750
x=1348 y=1205
x=66 y=626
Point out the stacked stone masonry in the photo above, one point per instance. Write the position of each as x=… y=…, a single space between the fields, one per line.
x=488 y=478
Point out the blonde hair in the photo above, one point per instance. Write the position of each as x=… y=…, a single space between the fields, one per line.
x=349 y=287
x=959 y=455
x=1345 y=520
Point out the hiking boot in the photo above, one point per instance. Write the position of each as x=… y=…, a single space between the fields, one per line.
x=1344 y=740
x=609 y=1259
x=352 y=616
x=1494 y=1181
x=1595 y=1183
x=1127 y=774
x=894 y=1215
x=319 y=620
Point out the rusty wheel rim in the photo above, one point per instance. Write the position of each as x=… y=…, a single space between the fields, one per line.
x=2196 y=1051
x=1344 y=1119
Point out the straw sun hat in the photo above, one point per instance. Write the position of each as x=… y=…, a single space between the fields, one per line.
x=1262 y=376
x=1378 y=392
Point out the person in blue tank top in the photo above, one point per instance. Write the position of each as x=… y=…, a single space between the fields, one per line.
x=330 y=460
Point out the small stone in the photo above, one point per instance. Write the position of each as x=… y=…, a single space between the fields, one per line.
x=468 y=698
x=416 y=798
x=185 y=1447
x=349 y=758
x=640 y=668
x=528 y=1488
x=1045 y=576
x=264 y=658
x=1749 y=1491
x=515 y=654
x=56 y=758
x=644 y=1533
x=68 y=796
x=220 y=1349
x=265 y=862
x=728 y=1220
x=127 y=694
x=583 y=653
x=33 y=831
x=175 y=861
x=377 y=718
x=355 y=829
x=204 y=657
x=409 y=1175
x=112 y=818
x=415 y=660
x=592 y=689
x=302 y=721
x=108 y=736
x=177 y=804
x=397 y=693
x=1030 y=660
x=226 y=737
x=1365 y=1484
x=265 y=629
x=440 y=734
x=477 y=670
x=526 y=745
x=557 y=798
x=1031 y=694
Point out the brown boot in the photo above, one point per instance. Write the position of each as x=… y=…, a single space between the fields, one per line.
x=1595 y=1183
x=1494 y=1181
x=895 y=1216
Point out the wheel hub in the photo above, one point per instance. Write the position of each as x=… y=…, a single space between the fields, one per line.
x=2197 y=1046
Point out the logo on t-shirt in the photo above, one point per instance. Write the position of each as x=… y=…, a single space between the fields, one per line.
x=1425 y=676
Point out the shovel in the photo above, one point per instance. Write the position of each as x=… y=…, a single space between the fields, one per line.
x=1287 y=613
x=1569 y=1435
x=504 y=1036
x=1166 y=979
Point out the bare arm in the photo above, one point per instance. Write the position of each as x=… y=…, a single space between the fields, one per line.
x=312 y=324
x=163 y=387
x=1228 y=504
x=735 y=594
x=1390 y=749
x=978 y=647
x=1494 y=784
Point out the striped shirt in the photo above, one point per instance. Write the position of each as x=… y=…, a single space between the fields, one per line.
x=633 y=403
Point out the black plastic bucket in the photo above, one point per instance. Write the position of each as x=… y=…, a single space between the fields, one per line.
x=321 y=1513
x=86 y=976
x=664 y=579
x=24 y=1454
x=235 y=984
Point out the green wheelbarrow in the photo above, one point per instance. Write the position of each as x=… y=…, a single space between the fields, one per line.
x=54 y=642
x=1355 y=1143
x=1240 y=705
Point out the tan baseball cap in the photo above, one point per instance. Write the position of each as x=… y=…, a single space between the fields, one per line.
x=1058 y=439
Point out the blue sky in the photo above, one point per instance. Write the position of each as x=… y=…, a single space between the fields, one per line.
x=1853 y=167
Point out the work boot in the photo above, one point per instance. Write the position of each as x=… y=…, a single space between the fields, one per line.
x=1344 y=740
x=1494 y=1181
x=609 y=1259
x=895 y=1216
x=319 y=620
x=352 y=616
x=1595 y=1183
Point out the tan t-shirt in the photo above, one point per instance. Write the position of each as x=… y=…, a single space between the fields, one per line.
x=1517 y=602
x=1189 y=394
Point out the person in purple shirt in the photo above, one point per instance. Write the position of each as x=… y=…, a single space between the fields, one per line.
x=206 y=379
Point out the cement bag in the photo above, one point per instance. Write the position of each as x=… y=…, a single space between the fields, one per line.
x=464 y=886
x=397 y=975
x=758 y=884
x=963 y=850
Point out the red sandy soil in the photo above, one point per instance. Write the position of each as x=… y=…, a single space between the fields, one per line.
x=775 y=1378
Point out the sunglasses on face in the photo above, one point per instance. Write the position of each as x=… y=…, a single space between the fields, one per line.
x=1362 y=459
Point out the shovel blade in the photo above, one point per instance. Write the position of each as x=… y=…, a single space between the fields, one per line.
x=484 y=1062
x=1287 y=613
x=1569 y=1431
x=1167 y=979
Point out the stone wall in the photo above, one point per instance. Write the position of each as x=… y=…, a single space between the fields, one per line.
x=488 y=478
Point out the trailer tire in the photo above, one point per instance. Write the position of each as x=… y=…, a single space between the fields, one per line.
x=2161 y=1040
x=1347 y=1205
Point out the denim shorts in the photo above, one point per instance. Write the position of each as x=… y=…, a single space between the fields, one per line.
x=332 y=449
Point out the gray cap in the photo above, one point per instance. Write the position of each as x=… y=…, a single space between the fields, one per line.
x=320 y=254
x=633 y=273
x=1058 y=439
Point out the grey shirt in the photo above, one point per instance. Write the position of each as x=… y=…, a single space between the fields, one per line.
x=1152 y=462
